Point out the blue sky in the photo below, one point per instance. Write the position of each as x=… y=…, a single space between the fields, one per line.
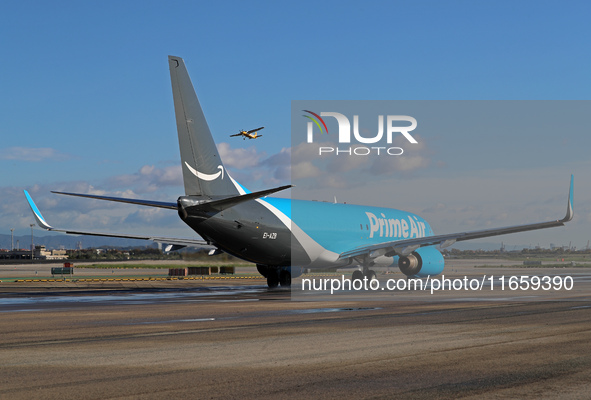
x=87 y=104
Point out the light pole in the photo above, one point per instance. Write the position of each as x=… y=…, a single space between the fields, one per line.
x=11 y=239
x=32 y=243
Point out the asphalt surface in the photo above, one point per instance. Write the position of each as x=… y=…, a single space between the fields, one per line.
x=236 y=339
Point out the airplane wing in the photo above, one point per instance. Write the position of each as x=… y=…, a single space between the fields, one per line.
x=150 y=203
x=238 y=134
x=407 y=246
x=175 y=243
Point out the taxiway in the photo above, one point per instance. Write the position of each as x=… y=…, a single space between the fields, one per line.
x=238 y=339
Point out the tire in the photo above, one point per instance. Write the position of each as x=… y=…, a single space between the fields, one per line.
x=272 y=280
x=357 y=275
x=285 y=279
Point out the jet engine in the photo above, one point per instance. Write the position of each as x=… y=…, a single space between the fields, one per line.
x=422 y=262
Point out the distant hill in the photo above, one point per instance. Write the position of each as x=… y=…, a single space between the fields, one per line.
x=70 y=242
x=486 y=246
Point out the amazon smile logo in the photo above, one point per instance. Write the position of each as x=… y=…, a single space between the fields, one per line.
x=206 y=177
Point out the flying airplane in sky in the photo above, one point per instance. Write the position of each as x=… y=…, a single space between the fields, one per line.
x=260 y=229
x=252 y=134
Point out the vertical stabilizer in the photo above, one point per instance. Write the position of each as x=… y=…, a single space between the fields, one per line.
x=203 y=171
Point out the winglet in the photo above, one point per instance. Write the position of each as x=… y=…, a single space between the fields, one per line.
x=40 y=220
x=570 y=212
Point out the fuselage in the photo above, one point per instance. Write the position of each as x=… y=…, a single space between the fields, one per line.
x=284 y=232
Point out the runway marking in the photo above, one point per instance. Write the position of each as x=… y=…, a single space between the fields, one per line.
x=328 y=310
x=172 y=321
x=579 y=307
x=130 y=297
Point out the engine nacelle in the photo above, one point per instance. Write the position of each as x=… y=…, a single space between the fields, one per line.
x=425 y=261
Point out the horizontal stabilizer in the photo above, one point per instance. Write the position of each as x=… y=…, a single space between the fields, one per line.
x=220 y=205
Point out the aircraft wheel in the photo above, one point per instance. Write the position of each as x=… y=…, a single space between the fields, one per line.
x=285 y=279
x=371 y=275
x=357 y=275
x=272 y=280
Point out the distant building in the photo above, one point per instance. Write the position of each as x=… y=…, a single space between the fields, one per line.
x=41 y=253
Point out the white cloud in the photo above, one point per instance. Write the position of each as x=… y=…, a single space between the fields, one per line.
x=415 y=157
x=239 y=158
x=254 y=169
x=305 y=170
x=345 y=163
x=148 y=179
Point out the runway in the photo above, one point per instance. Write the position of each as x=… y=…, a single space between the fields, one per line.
x=238 y=339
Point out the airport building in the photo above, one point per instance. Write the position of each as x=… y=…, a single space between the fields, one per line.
x=40 y=253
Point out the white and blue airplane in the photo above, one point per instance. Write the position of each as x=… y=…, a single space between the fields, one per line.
x=261 y=230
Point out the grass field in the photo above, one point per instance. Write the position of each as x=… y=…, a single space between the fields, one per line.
x=163 y=266
x=563 y=265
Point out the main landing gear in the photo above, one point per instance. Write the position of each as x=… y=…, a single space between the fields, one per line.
x=366 y=273
x=283 y=279
x=276 y=276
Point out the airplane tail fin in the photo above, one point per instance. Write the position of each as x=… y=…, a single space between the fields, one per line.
x=204 y=173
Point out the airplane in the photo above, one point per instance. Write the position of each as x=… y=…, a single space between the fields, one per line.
x=261 y=229
x=249 y=134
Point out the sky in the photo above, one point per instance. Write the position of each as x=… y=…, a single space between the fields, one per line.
x=87 y=106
